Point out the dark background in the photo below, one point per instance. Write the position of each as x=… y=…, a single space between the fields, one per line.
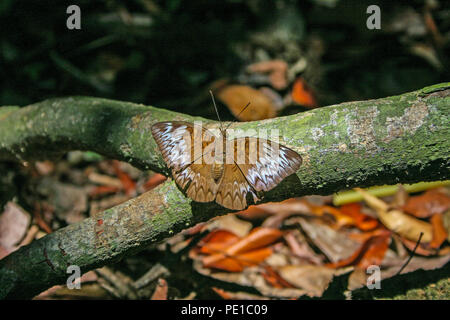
x=165 y=53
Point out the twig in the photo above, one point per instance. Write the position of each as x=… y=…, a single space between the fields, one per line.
x=411 y=255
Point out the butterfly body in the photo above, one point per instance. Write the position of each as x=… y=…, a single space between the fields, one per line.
x=217 y=170
x=213 y=168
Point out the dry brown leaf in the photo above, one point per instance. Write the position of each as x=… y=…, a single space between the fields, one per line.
x=311 y=278
x=161 y=290
x=277 y=70
x=249 y=250
x=397 y=221
x=228 y=295
x=427 y=204
x=439 y=232
x=335 y=244
x=371 y=252
x=250 y=277
x=14 y=222
x=231 y=223
x=236 y=97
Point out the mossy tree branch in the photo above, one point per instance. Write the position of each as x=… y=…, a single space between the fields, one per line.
x=396 y=139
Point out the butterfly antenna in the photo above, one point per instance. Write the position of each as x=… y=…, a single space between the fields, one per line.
x=238 y=115
x=217 y=112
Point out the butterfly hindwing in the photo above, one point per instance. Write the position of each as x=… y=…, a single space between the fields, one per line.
x=233 y=190
x=266 y=163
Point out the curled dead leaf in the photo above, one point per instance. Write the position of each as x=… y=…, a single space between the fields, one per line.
x=313 y=279
x=236 y=97
x=276 y=69
x=439 y=232
x=302 y=94
x=397 y=221
x=427 y=204
x=224 y=250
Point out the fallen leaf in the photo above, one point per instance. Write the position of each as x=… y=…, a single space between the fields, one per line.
x=397 y=221
x=231 y=223
x=276 y=69
x=14 y=222
x=335 y=244
x=302 y=94
x=313 y=279
x=228 y=295
x=257 y=238
x=154 y=181
x=217 y=241
x=300 y=248
x=237 y=262
x=361 y=220
x=340 y=218
x=427 y=204
x=250 y=277
x=420 y=249
x=274 y=279
x=161 y=290
x=439 y=232
x=104 y=180
x=66 y=201
x=102 y=190
x=236 y=97
x=128 y=184
x=371 y=252
x=228 y=252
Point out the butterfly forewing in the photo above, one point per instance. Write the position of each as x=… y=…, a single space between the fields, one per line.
x=177 y=141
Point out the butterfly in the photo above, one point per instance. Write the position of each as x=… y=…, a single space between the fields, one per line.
x=210 y=167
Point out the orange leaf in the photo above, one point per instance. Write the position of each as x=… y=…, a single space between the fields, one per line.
x=128 y=184
x=229 y=253
x=154 y=181
x=421 y=248
x=254 y=212
x=101 y=190
x=257 y=238
x=302 y=94
x=38 y=218
x=274 y=279
x=361 y=220
x=236 y=97
x=341 y=219
x=427 y=204
x=217 y=241
x=236 y=263
x=439 y=232
x=371 y=252
x=222 y=293
x=161 y=290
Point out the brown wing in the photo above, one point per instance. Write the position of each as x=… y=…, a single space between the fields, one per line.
x=233 y=189
x=265 y=163
x=176 y=141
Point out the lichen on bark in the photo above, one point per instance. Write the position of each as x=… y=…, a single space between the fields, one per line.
x=395 y=139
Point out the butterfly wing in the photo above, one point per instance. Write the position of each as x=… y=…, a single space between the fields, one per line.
x=265 y=163
x=232 y=193
x=176 y=140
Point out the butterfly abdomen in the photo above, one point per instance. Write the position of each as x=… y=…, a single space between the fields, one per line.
x=217 y=171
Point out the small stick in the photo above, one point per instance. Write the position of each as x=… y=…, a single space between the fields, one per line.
x=411 y=255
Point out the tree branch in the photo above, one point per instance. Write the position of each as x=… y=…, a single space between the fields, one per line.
x=396 y=139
